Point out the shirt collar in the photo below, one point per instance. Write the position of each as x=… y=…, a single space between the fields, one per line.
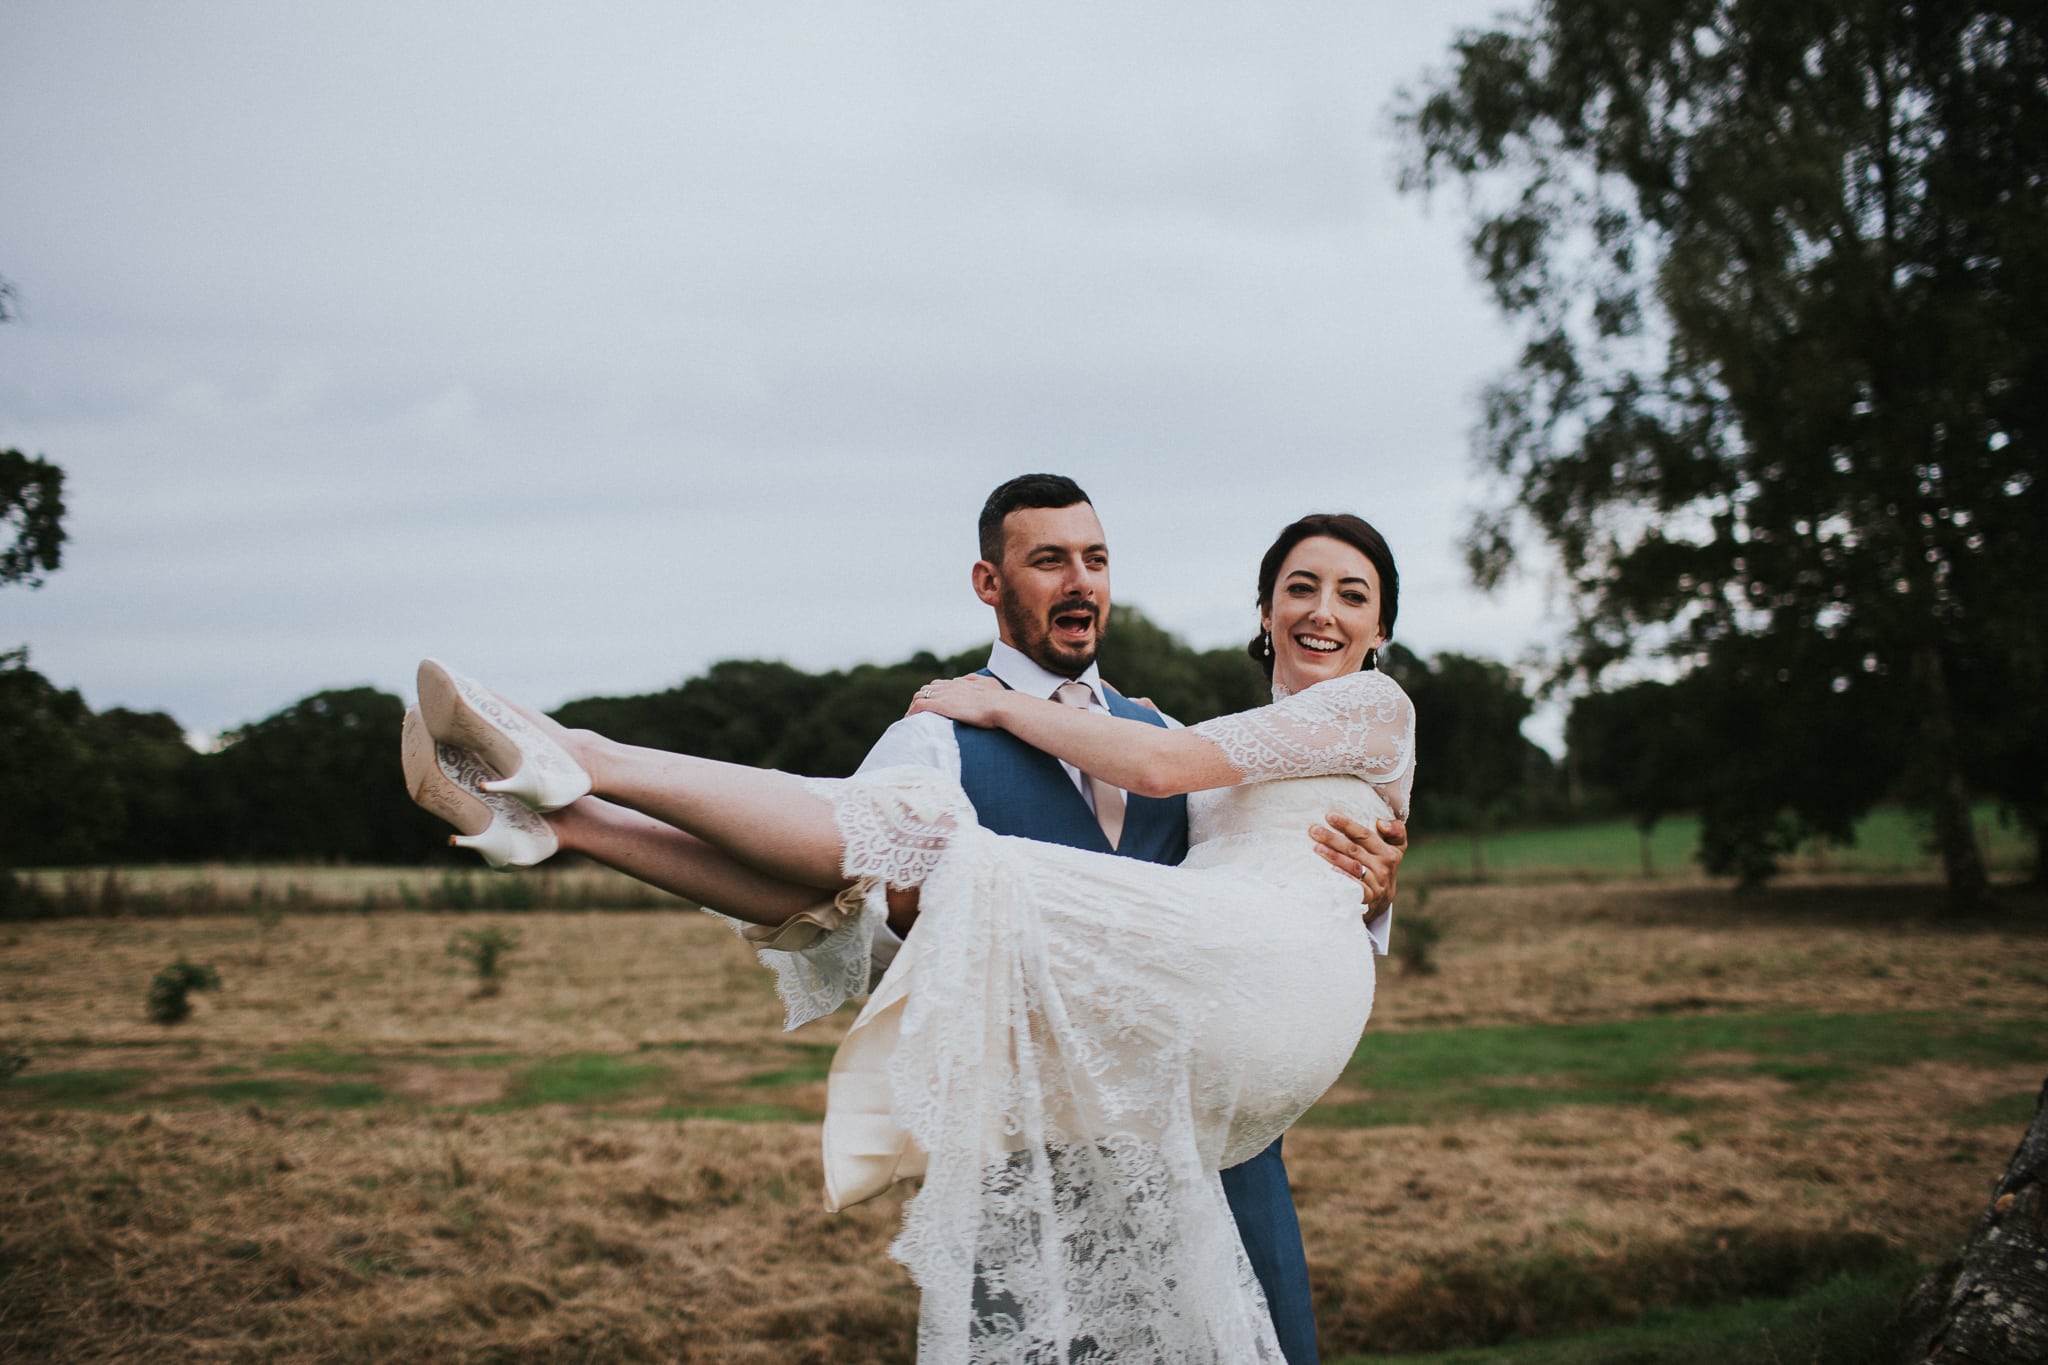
x=1027 y=675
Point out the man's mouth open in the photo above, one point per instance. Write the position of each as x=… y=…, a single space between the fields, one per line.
x=1075 y=623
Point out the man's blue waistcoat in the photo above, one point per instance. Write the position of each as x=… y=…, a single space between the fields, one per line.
x=1023 y=791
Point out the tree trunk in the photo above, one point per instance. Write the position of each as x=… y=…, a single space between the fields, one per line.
x=1643 y=843
x=1990 y=1307
x=1969 y=889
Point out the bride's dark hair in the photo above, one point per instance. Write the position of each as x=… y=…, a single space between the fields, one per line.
x=1353 y=531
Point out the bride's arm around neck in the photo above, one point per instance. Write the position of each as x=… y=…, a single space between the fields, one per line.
x=1362 y=723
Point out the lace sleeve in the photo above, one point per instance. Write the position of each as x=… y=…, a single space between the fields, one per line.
x=822 y=957
x=896 y=821
x=1362 y=724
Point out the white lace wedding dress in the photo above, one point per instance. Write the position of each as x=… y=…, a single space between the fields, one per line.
x=1070 y=1046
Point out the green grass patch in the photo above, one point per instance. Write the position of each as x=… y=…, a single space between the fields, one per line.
x=243 y=1090
x=814 y=1066
x=1433 y=1074
x=82 y=1089
x=1846 y=1321
x=1888 y=841
x=482 y=1061
x=2013 y=1111
x=580 y=1078
x=325 y=1060
x=347 y=1095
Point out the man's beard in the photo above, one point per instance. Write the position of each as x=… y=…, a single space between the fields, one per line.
x=1033 y=635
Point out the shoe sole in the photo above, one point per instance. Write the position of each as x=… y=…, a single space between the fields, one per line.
x=452 y=720
x=430 y=787
x=529 y=763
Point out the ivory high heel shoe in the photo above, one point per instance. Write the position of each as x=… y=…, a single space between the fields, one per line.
x=470 y=716
x=446 y=781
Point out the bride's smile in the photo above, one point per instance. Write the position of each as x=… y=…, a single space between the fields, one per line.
x=1325 y=613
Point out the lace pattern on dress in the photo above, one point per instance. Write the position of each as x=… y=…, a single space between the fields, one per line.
x=895 y=821
x=1070 y=1211
x=836 y=966
x=1362 y=724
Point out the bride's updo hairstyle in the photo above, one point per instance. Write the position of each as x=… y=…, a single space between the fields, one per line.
x=1356 y=532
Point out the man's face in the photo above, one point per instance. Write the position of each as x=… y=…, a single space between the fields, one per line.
x=1051 y=591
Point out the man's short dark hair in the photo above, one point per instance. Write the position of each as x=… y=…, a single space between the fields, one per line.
x=1026 y=490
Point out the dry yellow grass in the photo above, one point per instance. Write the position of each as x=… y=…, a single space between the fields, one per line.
x=1616 y=950
x=424 y=1228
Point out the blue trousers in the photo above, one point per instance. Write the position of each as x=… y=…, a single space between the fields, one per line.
x=1266 y=1224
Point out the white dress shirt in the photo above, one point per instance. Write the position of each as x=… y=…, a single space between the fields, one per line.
x=928 y=740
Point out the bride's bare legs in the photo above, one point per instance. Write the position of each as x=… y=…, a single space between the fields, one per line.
x=764 y=818
x=675 y=860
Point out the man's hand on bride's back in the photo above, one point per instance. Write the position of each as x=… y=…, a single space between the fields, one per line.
x=1369 y=854
x=972 y=700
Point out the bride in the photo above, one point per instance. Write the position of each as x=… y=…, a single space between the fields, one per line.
x=1071 y=1045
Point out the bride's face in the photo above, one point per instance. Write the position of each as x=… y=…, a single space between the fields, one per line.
x=1325 y=613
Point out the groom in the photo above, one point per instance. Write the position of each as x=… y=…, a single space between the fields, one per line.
x=1044 y=569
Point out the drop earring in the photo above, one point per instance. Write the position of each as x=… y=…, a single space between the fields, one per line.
x=1266 y=643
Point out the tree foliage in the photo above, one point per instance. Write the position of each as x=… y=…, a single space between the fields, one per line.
x=1633 y=745
x=31 y=502
x=320 y=778
x=60 y=794
x=1474 y=769
x=32 y=514
x=1777 y=267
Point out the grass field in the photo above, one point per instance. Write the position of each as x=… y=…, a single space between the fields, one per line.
x=1618 y=1122
x=1889 y=843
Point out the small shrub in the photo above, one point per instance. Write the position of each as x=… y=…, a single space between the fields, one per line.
x=10 y=1062
x=269 y=913
x=170 y=989
x=86 y=894
x=457 y=891
x=1415 y=940
x=1416 y=935
x=485 y=950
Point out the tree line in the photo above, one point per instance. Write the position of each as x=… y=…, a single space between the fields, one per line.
x=320 y=779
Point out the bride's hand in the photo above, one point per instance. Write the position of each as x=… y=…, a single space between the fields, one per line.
x=973 y=700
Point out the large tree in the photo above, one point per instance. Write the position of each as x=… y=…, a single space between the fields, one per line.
x=1779 y=266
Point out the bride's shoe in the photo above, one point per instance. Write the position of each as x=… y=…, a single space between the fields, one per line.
x=449 y=782
x=470 y=716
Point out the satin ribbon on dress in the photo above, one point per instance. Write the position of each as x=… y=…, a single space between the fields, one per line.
x=865 y=1149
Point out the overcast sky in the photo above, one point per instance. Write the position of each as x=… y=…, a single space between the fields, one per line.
x=584 y=345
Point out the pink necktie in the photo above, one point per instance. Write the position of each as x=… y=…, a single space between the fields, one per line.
x=1109 y=801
